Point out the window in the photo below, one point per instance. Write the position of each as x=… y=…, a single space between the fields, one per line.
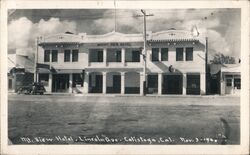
x=44 y=79
x=229 y=82
x=164 y=54
x=118 y=56
x=237 y=83
x=54 y=55
x=46 y=56
x=155 y=54
x=66 y=55
x=179 y=54
x=75 y=55
x=95 y=55
x=132 y=55
x=189 y=54
x=135 y=56
x=113 y=55
x=77 y=80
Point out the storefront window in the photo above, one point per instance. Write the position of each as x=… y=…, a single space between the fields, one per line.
x=44 y=79
x=229 y=82
x=77 y=80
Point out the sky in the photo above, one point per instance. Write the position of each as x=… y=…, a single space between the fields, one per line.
x=221 y=26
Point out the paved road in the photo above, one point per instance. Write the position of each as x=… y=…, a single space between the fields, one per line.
x=123 y=120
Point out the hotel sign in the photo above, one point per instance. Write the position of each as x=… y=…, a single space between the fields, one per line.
x=114 y=44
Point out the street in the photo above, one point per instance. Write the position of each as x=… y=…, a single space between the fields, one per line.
x=165 y=120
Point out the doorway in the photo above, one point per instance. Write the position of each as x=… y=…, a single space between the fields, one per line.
x=60 y=82
x=172 y=84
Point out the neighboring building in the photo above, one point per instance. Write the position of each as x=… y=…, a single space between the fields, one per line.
x=113 y=63
x=230 y=79
x=224 y=79
x=20 y=69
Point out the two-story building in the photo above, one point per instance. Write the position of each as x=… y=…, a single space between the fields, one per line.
x=114 y=63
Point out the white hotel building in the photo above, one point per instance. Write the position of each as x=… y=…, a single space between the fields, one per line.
x=113 y=63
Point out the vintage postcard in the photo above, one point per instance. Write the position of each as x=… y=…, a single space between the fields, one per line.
x=124 y=77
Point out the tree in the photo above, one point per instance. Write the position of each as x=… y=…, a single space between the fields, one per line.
x=220 y=58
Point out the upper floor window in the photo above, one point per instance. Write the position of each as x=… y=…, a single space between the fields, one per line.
x=135 y=56
x=237 y=83
x=179 y=54
x=66 y=55
x=132 y=55
x=95 y=55
x=75 y=55
x=47 y=56
x=114 y=55
x=54 y=55
x=189 y=54
x=155 y=54
x=164 y=54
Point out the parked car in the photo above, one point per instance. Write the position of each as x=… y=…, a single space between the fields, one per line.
x=35 y=88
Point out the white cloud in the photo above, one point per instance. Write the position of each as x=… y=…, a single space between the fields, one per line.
x=19 y=32
x=22 y=32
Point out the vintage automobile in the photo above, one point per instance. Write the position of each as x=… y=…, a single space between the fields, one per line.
x=35 y=88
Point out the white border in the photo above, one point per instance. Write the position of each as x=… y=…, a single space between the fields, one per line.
x=128 y=149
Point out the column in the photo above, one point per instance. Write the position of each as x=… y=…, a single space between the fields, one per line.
x=50 y=83
x=104 y=82
x=123 y=56
x=70 y=83
x=159 y=54
x=86 y=83
x=159 y=83
x=141 y=83
x=184 y=54
x=184 y=83
x=203 y=83
x=105 y=56
x=122 y=83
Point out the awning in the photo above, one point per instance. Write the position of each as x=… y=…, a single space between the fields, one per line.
x=60 y=71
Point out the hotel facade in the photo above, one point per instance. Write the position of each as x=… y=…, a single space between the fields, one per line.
x=113 y=63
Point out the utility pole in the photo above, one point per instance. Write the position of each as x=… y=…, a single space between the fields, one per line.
x=36 y=60
x=145 y=51
x=115 y=15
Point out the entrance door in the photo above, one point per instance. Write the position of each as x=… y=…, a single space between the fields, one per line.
x=117 y=83
x=172 y=84
x=98 y=84
x=193 y=84
x=60 y=83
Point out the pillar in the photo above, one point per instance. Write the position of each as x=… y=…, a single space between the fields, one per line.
x=105 y=56
x=70 y=83
x=184 y=54
x=159 y=83
x=86 y=83
x=159 y=54
x=122 y=83
x=104 y=82
x=203 y=83
x=123 y=56
x=141 y=83
x=50 y=83
x=184 y=83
